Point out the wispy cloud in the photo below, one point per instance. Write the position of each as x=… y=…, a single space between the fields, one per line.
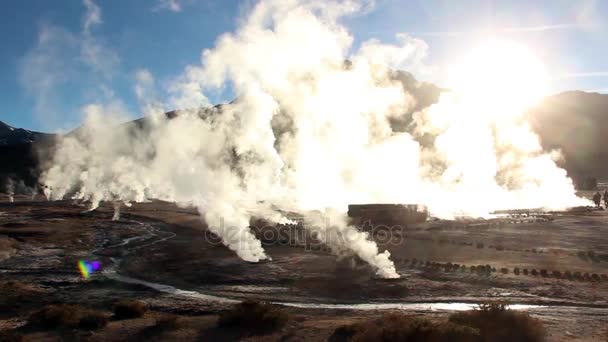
x=583 y=74
x=92 y=16
x=62 y=57
x=168 y=5
x=538 y=28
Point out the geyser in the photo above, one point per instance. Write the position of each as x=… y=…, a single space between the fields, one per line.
x=310 y=134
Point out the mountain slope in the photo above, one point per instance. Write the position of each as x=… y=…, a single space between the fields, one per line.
x=12 y=136
x=574 y=122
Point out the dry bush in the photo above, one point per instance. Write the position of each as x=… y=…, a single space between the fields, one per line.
x=56 y=316
x=63 y=316
x=92 y=320
x=163 y=324
x=12 y=336
x=400 y=327
x=127 y=309
x=497 y=323
x=254 y=318
x=167 y=323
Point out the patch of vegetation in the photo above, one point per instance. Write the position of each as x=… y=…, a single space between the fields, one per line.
x=63 y=316
x=127 y=309
x=55 y=317
x=163 y=324
x=12 y=336
x=92 y=320
x=166 y=323
x=255 y=318
x=497 y=323
x=400 y=327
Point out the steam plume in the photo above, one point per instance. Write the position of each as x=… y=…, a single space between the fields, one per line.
x=116 y=215
x=10 y=190
x=308 y=133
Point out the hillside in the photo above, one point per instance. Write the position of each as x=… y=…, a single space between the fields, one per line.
x=577 y=123
x=574 y=122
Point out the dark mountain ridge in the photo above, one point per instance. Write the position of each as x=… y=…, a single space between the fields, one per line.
x=10 y=135
x=575 y=122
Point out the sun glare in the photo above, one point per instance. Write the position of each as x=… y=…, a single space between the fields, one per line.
x=502 y=77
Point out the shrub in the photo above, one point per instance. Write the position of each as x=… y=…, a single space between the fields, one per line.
x=516 y=270
x=126 y=309
x=55 y=317
x=479 y=245
x=12 y=336
x=497 y=323
x=556 y=274
x=253 y=317
x=62 y=316
x=543 y=273
x=166 y=323
x=92 y=320
x=504 y=270
x=534 y=272
x=400 y=327
x=525 y=271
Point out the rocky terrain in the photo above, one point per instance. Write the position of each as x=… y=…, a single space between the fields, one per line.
x=553 y=265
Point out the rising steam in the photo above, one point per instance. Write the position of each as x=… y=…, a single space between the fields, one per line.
x=310 y=132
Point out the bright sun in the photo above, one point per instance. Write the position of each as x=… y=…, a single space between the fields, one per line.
x=502 y=75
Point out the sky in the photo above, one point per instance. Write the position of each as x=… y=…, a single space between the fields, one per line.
x=59 y=56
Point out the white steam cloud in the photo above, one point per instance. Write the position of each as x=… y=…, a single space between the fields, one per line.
x=310 y=133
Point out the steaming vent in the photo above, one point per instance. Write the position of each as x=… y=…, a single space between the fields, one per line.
x=387 y=214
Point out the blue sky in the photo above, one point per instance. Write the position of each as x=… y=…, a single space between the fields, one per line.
x=60 y=55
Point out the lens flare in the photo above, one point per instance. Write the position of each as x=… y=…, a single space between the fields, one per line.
x=87 y=268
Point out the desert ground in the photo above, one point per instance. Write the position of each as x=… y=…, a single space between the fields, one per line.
x=554 y=265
